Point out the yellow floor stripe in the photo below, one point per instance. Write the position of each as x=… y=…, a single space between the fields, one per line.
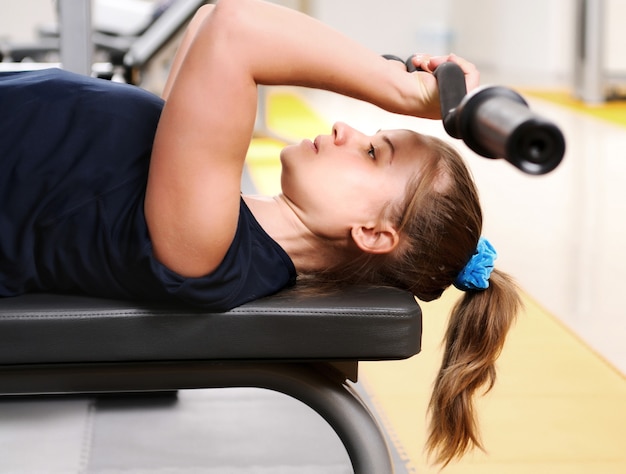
x=264 y=165
x=293 y=120
x=557 y=406
x=611 y=111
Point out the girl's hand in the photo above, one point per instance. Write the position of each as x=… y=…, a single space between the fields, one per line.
x=428 y=89
x=429 y=63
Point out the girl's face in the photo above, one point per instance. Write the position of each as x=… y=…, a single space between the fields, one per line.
x=347 y=178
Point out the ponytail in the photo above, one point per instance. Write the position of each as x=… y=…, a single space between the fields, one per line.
x=476 y=333
x=440 y=221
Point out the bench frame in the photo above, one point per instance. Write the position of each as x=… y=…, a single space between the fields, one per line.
x=34 y=359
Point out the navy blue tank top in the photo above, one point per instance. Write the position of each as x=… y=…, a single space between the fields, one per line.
x=74 y=157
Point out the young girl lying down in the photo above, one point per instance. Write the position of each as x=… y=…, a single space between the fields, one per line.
x=108 y=190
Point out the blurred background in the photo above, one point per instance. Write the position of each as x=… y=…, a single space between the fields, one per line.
x=560 y=406
x=525 y=42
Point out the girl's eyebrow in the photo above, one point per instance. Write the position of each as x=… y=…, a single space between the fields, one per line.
x=388 y=142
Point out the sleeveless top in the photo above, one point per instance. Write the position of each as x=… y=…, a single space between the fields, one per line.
x=74 y=157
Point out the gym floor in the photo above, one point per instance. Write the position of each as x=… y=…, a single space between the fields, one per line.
x=559 y=405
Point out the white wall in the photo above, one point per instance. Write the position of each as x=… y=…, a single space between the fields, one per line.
x=18 y=18
x=519 y=42
x=400 y=27
x=615 y=40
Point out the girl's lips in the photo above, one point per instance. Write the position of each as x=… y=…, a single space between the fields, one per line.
x=312 y=144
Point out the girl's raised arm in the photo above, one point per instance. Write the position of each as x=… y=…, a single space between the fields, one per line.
x=192 y=200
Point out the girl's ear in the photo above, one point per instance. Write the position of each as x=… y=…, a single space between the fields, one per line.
x=376 y=239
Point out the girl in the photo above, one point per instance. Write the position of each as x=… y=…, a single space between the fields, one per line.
x=110 y=191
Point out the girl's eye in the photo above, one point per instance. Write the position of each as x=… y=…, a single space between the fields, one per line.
x=372 y=152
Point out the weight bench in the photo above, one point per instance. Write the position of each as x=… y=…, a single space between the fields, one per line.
x=307 y=347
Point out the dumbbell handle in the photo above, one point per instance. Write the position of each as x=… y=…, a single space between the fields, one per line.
x=496 y=122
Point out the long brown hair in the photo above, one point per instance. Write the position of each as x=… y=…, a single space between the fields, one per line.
x=474 y=338
x=440 y=222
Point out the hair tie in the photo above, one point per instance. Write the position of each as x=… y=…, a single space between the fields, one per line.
x=475 y=275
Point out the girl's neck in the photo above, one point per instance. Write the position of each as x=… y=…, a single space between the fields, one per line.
x=307 y=251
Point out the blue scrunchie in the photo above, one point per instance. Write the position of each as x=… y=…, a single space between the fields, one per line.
x=475 y=275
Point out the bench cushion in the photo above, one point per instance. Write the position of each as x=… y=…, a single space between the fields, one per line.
x=356 y=324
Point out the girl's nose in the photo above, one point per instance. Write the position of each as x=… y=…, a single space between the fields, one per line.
x=341 y=133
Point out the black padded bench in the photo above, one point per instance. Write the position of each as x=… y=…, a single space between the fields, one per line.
x=303 y=346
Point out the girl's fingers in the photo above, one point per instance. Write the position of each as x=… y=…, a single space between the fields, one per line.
x=429 y=63
x=422 y=61
x=472 y=75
